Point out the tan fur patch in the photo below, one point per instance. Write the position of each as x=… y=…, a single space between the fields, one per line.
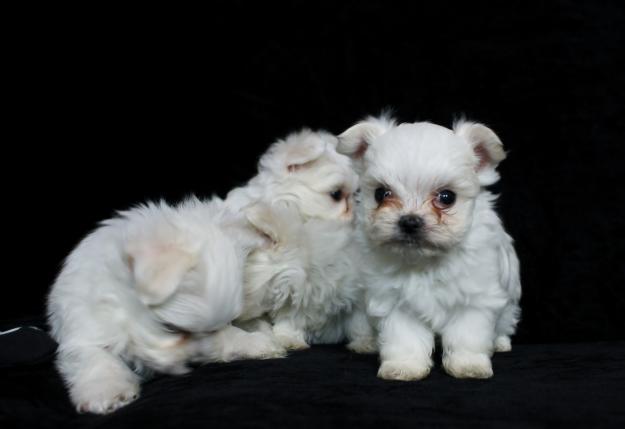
x=390 y=203
x=360 y=152
x=292 y=168
x=348 y=208
x=438 y=212
x=184 y=338
x=131 y=262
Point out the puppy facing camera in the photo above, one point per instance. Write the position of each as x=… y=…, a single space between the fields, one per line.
x=290 y=260
x=436 y=259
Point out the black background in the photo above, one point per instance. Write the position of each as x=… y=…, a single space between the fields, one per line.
x=109 y=108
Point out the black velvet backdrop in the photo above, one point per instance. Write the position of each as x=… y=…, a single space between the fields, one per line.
x=115 y=107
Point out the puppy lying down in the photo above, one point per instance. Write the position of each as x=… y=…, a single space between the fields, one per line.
x=159 y=286
x=150 y=290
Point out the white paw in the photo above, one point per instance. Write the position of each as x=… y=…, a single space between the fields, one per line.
x=259 y=345
x=292 y=342
x=404 y=370
x=363 y=345
x=503 y=344
x=468 y=365
x=289 y=337
x=105 y=396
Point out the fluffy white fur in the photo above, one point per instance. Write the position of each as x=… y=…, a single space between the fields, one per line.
x=456 y=274
x=150 y=269
x=158 y=286
x=305 y=281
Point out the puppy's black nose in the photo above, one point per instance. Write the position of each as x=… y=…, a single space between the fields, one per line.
x=410 y=224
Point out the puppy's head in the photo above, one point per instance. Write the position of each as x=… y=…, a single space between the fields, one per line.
x=306 y=170
x=419 y=181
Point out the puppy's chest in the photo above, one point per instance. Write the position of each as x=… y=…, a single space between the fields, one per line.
x=328 y=288
x=325 y=292
x=433 y=296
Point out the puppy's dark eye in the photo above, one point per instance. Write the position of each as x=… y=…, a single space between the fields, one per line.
x=337 y=195
x=382 y=193
x=444 y=199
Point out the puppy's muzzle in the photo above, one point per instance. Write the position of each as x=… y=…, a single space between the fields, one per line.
x=410 y=224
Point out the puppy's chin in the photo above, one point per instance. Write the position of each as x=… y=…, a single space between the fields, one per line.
x=413 y=248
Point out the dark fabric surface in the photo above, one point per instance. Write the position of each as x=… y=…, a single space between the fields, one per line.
x=573 y=385
x=25 y=345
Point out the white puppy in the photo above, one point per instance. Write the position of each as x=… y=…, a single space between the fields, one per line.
x=152 y=289
x=305 y=281
x=435 y=257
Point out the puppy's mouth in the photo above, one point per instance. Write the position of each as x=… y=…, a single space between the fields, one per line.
x=408 y=240
x=415 y=242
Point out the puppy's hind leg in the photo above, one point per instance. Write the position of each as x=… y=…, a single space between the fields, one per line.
x=99 y=381
x=511 y=282
x=506 y=326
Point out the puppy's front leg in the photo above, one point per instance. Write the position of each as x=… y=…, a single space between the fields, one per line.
x=359 y=332
x=468 y=344
x=99 y=381
x=232 y=343
x=289 y=333
x=260 y=324
x=406 y=346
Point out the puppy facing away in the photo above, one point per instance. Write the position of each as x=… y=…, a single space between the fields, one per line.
x=305 y=281
x=150 y=290
x=435 y=257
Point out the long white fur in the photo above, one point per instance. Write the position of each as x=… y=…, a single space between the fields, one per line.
x=152 y=268
x=305 y=283
x=278 y=248
x=462 y=281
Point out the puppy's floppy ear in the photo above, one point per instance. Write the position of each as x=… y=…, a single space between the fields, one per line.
x=158 y=269
x=355 y=141
x=302 y=148
x=279 y=221
x=487 y=148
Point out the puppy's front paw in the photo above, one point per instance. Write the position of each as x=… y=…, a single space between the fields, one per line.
x=290 y=338
x=404 y=370
x=503 y=344
x=365 y=345
x=468 y=365
x=105 y=396
x=257 y=345
x=292 y=342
